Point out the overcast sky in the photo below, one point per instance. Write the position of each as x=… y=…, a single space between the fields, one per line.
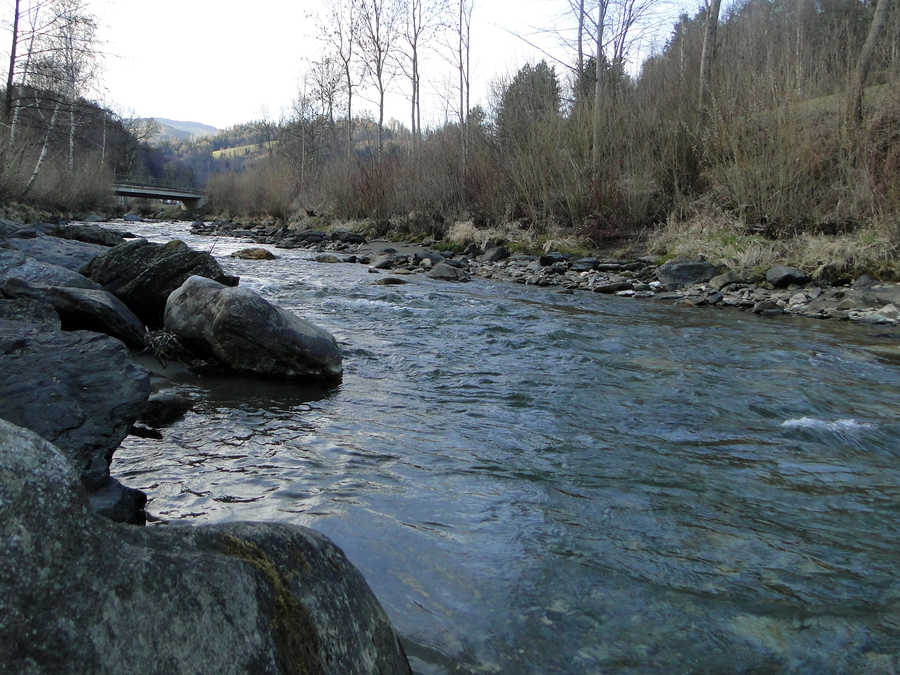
x=222 y=62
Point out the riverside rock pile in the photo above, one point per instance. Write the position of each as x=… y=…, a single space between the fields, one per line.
x=686 y=283
x=82 y=593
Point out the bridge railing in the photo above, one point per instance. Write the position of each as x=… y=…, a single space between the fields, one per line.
x=130 y=181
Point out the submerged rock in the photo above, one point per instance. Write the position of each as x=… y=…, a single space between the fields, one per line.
x=255 y=253
x=79 y=594
x=142 y=274
x=248 y=334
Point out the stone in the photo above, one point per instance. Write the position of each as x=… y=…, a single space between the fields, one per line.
x=385 y=261
x=246 y=333
x=119 y=503
x=389 y=281
x=327 y=258
x=611 y=286
x=79 y=594
x=254 y=253
x=727 y=277
x=132 y=218
x=16 y=265
x=85 y=309
x=781 y=276
x=444 y=271
x=347 y=237
x=768 y=308
x=494 y=254
x=142 y=274
x=67 y=253
x=584 y=265
x=79 y=390
x=553 y=257
x=165 y=407
x=677 y=274
x=90 y=234
x=39 y=313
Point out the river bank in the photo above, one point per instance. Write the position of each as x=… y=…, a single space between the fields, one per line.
x=778 y=290
x=83 y=584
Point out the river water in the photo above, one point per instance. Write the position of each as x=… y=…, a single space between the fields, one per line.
x=534 y=482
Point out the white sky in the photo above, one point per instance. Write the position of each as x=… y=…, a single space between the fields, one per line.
x=223 y=62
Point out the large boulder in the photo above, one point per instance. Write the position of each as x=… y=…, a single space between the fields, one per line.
x=68 y=253
x=79 y=390
x=85 y=309
x=79 y=594
x=142 y=274
x=15 y=311
x=444 y=271
x=781 y=276
x=16 y=265
x=245 y=332
x=677 y=274
x=91 y=234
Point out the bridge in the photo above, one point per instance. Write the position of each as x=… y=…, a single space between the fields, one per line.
x=190 y=197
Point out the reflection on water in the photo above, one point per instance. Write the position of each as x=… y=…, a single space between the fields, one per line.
x=534 y=482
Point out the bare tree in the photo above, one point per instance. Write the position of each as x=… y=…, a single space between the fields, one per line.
x=463 y=64
x=422 y=21
x=380 y=24
x=599 y=58
x=708 y=55
x=854 y=107
x=340 y=31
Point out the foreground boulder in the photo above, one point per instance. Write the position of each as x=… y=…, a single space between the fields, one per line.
x=142 y=274
x=245 y=332
x=16 y=265
x=677 y=274
x=68 y=253
x=85 y=309
x=80 y=594
x=79 y=390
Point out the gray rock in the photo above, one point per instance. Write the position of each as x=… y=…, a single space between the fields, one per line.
x=611 y=286
x=39 y=313
x=494 y=254
x=385 y=261
x=142 y=274
x=165 y=407
x=444 y=271
x=552 y=258
x=768 y=308
x=16 y=265
x=720 y=281
x=677 y=274
x=79 y=390
x=132 y=218
x=86 y=309
x=91 y=234
x=327 y=258
x=347 y=237
x=68 y=253
x=584 y=265
x=119 y=503
x=79 y=594
x=781 y=276
x=248 y=334
x=390 y=281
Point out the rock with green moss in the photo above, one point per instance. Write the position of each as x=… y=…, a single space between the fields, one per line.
x=80 y=594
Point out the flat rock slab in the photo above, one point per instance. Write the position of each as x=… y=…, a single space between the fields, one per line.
x=79 y=390
x=142 y=274
x=79 y=594
x=245 y=332
x=14 y=264
x=677 y=274
x=68 y=253
x=443 y=271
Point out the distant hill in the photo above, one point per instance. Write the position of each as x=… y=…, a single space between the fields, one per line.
x=173 y=130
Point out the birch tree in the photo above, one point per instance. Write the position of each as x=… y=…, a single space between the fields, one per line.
x=379 y=32
x=708 y=55
x=340 y=32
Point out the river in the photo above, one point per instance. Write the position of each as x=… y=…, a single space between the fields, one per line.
x=534 y=482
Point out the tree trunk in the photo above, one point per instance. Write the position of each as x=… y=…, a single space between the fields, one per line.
x=708 y=55
x=12 y=64
x=71 y=136
x=349 y=113
x=598 y=86
x=580 y=42
x=43 y=154
x=854 y=107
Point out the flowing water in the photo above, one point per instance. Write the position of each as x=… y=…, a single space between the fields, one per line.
x=534 y=482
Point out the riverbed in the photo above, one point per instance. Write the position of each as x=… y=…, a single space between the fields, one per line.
x=534 y=482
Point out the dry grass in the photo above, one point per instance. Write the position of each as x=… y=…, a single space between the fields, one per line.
x=514 y=235
x=722 y=239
